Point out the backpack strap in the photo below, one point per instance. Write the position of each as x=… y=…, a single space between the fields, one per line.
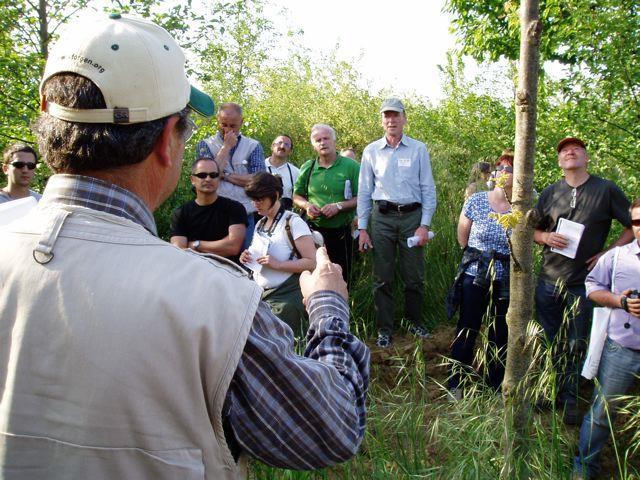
x=287 y=227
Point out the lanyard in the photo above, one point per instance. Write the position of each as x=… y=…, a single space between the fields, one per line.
x=274 y=224
x=288 y=168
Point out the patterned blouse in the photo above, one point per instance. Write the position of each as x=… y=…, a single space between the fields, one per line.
x=486 y=234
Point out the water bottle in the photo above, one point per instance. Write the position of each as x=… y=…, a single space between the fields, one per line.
x=347 y=190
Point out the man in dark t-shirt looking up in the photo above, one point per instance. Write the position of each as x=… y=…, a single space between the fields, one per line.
x=593 y=203
x=210 y=223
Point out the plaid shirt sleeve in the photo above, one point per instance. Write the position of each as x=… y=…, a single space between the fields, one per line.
x=299 y=412
x=203 y=150
x=256 y=160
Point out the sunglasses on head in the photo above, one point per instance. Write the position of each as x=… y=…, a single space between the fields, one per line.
x=635 y=222
x=204 y=175
x=19 y=165
x=504 y=168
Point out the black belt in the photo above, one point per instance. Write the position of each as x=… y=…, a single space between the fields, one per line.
x=385 y=206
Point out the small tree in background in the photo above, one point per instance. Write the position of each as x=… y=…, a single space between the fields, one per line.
x=522 y=279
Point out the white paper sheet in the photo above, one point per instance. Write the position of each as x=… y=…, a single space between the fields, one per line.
x=15 y=209
x=573 y=231
x=258 y=248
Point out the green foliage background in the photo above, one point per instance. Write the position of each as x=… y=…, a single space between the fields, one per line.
x=236 y=54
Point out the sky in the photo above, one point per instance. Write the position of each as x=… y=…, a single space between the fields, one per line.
x=398 y=44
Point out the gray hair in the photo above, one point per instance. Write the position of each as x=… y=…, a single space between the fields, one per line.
x=230 y=106
x=322 y=126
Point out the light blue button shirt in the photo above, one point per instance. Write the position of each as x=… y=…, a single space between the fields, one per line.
x=400 y=175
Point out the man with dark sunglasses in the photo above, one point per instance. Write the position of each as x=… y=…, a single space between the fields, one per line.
x=562 y=307
x=19 y=165
x=210 y=223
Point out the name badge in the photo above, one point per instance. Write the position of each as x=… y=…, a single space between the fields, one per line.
x=404 y=162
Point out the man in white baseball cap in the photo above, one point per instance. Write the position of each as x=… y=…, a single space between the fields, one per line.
x=122 y=356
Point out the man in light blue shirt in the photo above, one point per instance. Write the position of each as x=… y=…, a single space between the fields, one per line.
x=397 y=191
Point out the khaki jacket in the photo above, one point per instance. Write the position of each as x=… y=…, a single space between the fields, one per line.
x=117 y=354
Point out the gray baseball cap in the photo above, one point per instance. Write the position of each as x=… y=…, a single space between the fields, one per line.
x=392 y=104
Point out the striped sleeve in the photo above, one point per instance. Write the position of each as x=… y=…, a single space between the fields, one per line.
x=298 y=412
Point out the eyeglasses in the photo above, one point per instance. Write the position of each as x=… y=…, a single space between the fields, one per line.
x=635 y=222
x=504 y=168
x=190 y=129
x=283 y=143
x=19 y=165
x=574 y=195
x=203 y=175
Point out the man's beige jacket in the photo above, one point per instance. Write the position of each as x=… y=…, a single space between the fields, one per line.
x=116 y=355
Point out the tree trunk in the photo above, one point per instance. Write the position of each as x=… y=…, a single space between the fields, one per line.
x=517 y=410
x=43 y=31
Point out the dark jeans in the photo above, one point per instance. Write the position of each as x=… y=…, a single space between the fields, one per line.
x=473 y=308
x=565 y=316
x=339 y=247
x=251 y=225
x=619 y=367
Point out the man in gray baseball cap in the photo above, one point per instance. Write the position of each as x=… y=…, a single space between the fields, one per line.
x=122 y=356
x=396 y=189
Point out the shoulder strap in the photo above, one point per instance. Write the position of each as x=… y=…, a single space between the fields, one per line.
x=287 y=227
x=313 y=164
x=291 y=177
x=613 y=270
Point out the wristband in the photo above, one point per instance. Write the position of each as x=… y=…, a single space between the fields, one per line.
x=624 y=304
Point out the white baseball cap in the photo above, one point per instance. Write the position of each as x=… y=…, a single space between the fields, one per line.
x=136 y=64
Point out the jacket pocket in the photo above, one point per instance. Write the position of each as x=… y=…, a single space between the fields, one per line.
x=36 y=457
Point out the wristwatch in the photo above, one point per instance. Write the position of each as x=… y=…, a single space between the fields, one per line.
x=195 y=245
x=339 y=205
x=624 y=304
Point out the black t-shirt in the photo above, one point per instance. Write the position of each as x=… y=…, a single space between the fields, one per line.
x=598 y=201
x=210 y=222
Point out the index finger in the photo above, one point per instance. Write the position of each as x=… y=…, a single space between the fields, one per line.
x=322 y=256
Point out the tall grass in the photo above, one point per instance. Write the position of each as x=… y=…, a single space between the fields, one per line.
x=413 y=430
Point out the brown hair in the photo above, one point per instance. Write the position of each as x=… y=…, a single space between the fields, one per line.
x=635 y=204
x=7 y=155
x=505 y=158
x=264 y=185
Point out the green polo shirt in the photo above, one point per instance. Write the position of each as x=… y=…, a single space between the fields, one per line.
x=327 y=185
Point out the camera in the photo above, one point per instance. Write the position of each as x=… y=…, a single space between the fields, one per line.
x=634 y=294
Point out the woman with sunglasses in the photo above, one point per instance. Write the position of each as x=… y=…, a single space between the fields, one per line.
x=281 y=249
x=19 y=165
x=481 y=288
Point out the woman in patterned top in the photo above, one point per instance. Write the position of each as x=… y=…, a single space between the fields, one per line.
x=484 y=280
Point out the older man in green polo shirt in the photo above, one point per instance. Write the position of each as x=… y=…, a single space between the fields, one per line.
x=326 y=190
